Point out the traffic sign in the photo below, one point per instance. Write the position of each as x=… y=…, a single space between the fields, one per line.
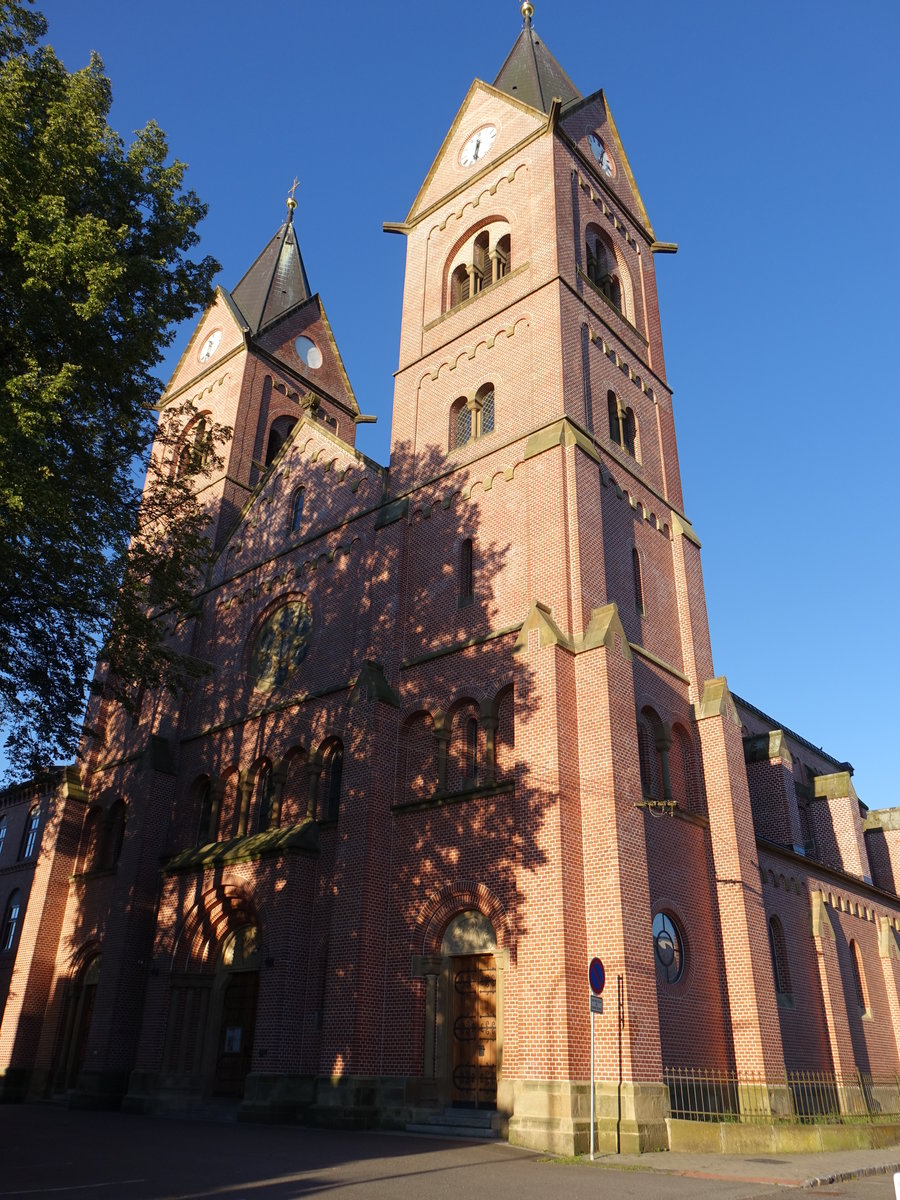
x=596 y=1004
x=596 y=976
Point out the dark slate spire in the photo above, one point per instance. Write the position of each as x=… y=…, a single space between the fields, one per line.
x=277 y=280
x=531 y=73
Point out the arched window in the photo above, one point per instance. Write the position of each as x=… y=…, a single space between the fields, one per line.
x=480 y=261
x=332 y=779
x=623 y=429
x=859 y=979
x=645 y=759
x=638 y=580
x=3 y=824
x=778 y=948
x=602 y=268
x=263 y=799
x=471 y=769
x=195 y=448
x=297 y=509
x=115 y=832
x=472 y=418
x=30 y=838
x=11 y=921
x=91 y=836
x=204 y=797
x=277 y=436
x=466 y=572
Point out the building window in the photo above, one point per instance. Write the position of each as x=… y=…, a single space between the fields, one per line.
x=115 y=833
x=332 y=780
x=623 y=428
x=859 y=979
x=11 y=921
x=3 y=824
x=471 y=771
x=196 y=446
x=472 y=418
x=637 y=577
x=297 y=508
x=778 y=949
x=602 y=267
x=29 y=841
x=278 y=435
x=668 y=948
x=205 y=832
x=264 y=796
x=466 y=572
x=482 y=260
x=90 y=839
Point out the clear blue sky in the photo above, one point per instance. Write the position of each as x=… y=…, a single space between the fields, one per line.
x=764 y=141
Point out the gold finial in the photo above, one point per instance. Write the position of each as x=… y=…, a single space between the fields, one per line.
x=291 y=202
x=527 y=13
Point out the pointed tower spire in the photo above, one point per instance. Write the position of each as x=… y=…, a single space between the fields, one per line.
x=277 y=281
x=531 y=73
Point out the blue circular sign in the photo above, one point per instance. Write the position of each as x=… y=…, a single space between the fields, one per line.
x=597 y=976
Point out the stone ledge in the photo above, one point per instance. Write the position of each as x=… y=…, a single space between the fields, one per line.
x=293 y=839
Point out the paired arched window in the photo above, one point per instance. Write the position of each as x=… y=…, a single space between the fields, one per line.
x=466 y=572
x=332 y=781
x=195 y=449
x=204 y=798
x=778 y=949
x=30 y=838
x=603 y=269
x=481 y=261
x=472 y=417
x=115 y=832
x=297 y=509
x=278 y=435
x=623 y=428
x=11 y=918
x=471 y=762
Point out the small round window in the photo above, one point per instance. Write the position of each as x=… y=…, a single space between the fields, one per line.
x=668 y=948
x=308 y=353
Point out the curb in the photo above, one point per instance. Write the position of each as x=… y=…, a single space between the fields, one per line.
x=845 y=1176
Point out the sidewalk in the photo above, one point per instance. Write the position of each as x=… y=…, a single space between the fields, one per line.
x=786 y=1170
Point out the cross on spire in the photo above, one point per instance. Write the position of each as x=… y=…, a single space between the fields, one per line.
x=291 y=202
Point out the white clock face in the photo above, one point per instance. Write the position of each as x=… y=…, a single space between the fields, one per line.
x=209 y=347
x=478 y=145
x=599 y=151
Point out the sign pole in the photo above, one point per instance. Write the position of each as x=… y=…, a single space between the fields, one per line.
x=592 y=1086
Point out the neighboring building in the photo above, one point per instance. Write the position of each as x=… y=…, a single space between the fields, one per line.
x=463 y=729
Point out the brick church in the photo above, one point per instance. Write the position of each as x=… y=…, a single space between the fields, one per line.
x=463 y=730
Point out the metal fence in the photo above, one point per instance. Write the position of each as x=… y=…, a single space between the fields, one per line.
x=801 y=1097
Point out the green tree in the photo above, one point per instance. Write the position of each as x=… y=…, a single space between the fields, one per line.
x=94 y=273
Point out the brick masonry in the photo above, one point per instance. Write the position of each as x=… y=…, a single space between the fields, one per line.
x=539 y=745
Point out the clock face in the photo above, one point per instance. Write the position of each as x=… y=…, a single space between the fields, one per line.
x=599 y=151
x=210 y=346
x=281 y=645
x=478 y=145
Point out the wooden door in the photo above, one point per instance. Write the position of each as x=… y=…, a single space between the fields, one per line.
x=473 y=1031
x=235 y=1044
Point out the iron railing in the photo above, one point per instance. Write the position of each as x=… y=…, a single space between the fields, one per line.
x=800 y=1097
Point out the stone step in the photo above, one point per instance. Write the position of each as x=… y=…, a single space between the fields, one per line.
x=436 y=1128
x=466 y=1116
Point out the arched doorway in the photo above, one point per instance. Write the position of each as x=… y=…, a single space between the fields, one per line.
x=236 y=989
x=472 y=1003
x=76 y=1025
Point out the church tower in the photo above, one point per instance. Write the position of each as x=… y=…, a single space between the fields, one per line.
x=534 y=441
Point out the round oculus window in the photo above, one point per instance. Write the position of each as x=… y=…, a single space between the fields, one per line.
x=210 y=346
x=601 y=154
x=668 y=948
x=308 y=353
x=281 y=644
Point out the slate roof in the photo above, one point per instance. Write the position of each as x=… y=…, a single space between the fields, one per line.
x=276 y=282
x=531 y=73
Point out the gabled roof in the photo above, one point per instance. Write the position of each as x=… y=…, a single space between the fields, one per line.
x=276 y=282
x=531 y=73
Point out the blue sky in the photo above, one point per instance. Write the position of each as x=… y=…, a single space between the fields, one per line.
x=764 y=141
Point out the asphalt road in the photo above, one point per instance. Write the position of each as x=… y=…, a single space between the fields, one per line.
x=54 y=1153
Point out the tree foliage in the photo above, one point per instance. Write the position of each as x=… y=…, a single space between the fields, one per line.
x=94 y=272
